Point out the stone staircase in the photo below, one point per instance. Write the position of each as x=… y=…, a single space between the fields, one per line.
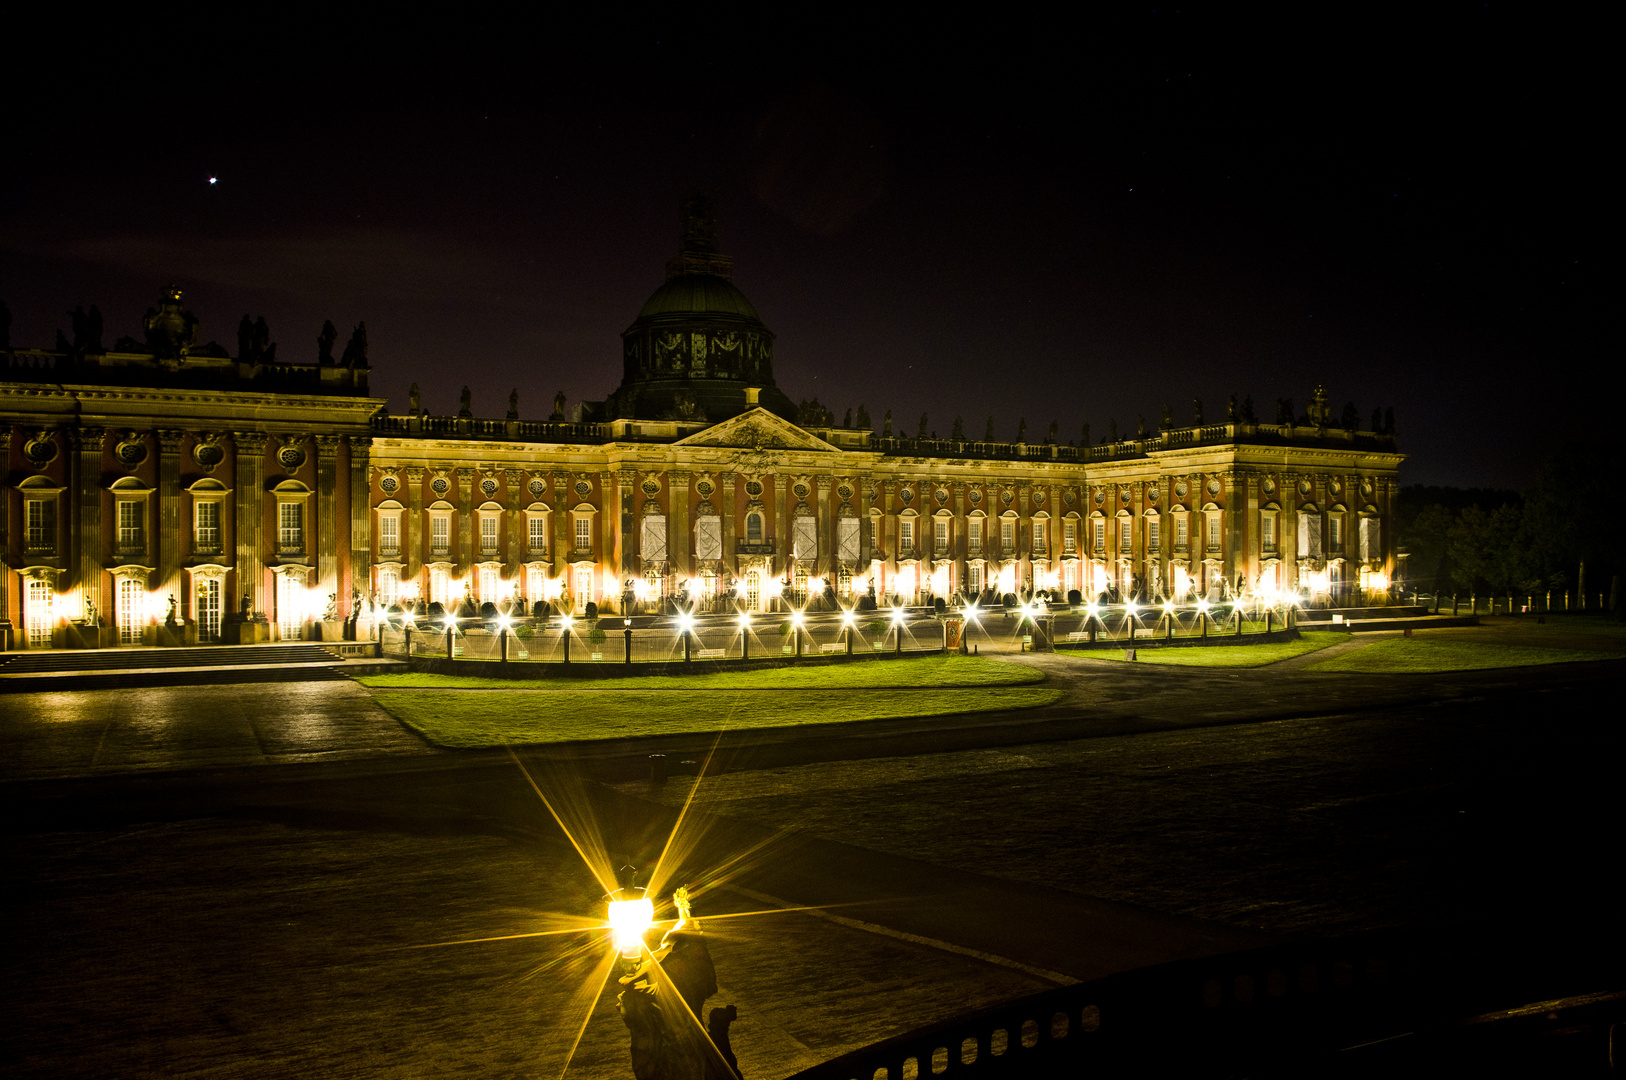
x=136 y=666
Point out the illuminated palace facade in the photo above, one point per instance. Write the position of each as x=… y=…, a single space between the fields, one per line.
x=162 y=469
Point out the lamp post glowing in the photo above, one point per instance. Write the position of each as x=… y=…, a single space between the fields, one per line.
x=745 y=635
x=502 y=636
x=796 y=631
x=847 y=629
x=897 y=624
x=685 y=623
x=630 y=917
x=564 y=633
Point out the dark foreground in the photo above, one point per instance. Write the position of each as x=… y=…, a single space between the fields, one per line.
x=264 y=922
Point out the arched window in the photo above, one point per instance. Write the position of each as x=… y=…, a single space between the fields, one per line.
x=753 y=528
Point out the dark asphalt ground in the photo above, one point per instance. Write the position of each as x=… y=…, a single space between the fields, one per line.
x=180 y=908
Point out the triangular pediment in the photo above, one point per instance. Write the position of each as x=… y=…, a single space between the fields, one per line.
x=758 y=429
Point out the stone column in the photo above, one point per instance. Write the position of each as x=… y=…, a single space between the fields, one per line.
x=412 y=529
x=727 y=508
x=888 y=540
x=327 y=535
x=517 y=530
x=465 y=522
x=1251 y=555
x=5 y=547
x=960 y=571
x=1024 y=538
x=563 y=542
x=171 y=545
x=361 y=523
x=825 y=509
x=677 y=529
x=85 y=487
x=250 y=491
x=866 y=525
x=622 y=556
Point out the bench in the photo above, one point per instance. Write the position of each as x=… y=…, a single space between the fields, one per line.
x=1078 y=635
x=833 y=646
x=709 y=654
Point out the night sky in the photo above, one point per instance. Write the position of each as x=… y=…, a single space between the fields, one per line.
x=1070 y=224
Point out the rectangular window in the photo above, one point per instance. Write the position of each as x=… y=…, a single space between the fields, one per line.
x=1309 y=536
x=1335 y=533
x=973 y=540
x=389 y=586
x=389 y=535
x=1370 y=548
x=584 y=534
x=537 y=533
x=290 y=527
x=440 y=586
x=40 y=524
x=490 y=584
x=488 y=534
x=1267 y=532
x=847 y=540
x=1069 y=538
x=708 y=539
x=535 y=579
x=940 y=537
x=1213 y=532
x=1182 y=533
x=206 y=526
x=207 y=612
x=653 y=550
x=132 y=536
x=1040 y=544
x=1007 y=538
x=753 y=529
x=973 y=577
x=440 y=534
x=906 y=537
x=1154 y=535
x=1126 y=536
x=805 y=531
x=38 y=613
x=1100 y=536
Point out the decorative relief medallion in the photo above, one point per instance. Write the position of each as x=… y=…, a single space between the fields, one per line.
x=488 y=487
x=1269 y=486
x=583 y=488
x=1123 y=495
x=1366 y=488
x=1153 y=494
x=291 y=455
x=1038 y=497
x=1007 y=496
x=41 y=449
x=651 y=486
x=907 y=496
x=705 y=487
x=1336 y=488
x=537 y=486
x=1305 y=486
x=388 y=484
x=131 y=450
x=1213 y=487
x=1100 y=496
x=1069 y=497
x=799 y=489
x=975 y=496
x=207 y=453
x=1180 y=489
x=753 y=488
x=439 y=485
x=845 y=490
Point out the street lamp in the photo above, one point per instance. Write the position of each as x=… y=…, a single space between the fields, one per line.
x=630 y=916
x=745 y=635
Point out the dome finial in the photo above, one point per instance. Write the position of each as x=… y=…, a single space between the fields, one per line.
x=697 y=253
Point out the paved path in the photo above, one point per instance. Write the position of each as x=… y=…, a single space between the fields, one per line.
x=103 y=732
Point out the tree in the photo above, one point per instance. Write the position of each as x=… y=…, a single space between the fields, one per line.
x=922 y=434
x=958 y=434
x=988 y=436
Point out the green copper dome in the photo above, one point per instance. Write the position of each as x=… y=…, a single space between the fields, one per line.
x=698 y=344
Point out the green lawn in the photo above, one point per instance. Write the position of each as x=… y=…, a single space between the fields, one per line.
x=1268 y=652
x=463 y=720
x=927 y=671
x=1419 y=655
